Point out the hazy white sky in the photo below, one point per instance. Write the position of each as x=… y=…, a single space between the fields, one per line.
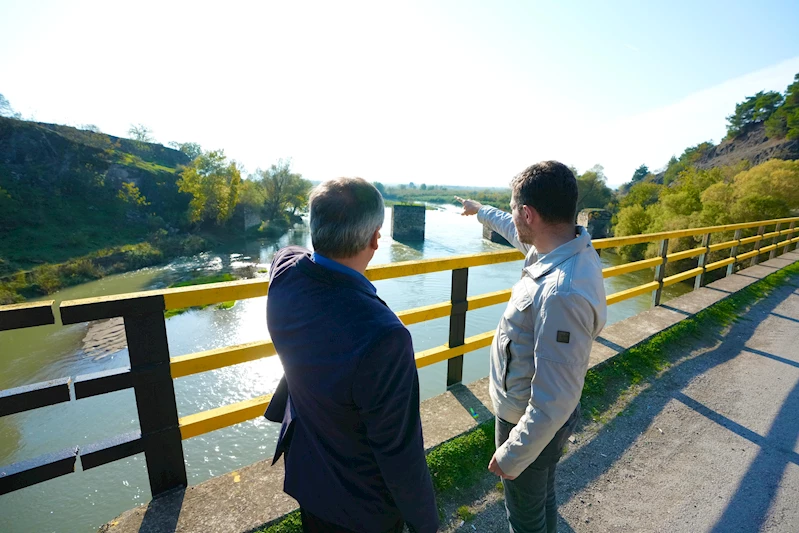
x=447 y=92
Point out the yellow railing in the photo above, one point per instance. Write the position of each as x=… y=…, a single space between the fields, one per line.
x=152 y=370
x=199 y=423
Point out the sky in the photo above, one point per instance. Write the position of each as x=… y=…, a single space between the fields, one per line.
x=454 y=92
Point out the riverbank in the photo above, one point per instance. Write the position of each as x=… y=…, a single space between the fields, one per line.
x=158 y=249
x=46 y=279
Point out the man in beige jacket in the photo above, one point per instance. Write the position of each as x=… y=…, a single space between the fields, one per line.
x=540 y=353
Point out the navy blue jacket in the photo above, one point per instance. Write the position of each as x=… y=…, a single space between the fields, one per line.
x=356 y=455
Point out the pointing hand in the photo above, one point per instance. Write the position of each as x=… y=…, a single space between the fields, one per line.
x=470 y=207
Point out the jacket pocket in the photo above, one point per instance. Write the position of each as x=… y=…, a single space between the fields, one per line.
x=504 y=353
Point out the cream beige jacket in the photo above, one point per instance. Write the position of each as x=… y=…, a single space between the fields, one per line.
x=540 y=352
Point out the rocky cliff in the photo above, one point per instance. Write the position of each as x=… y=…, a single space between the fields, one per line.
x=752 y=145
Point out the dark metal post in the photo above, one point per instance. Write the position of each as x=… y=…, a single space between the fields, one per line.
x=755 y=259
x=155 y=399
x=703 y=261
x=660 y=270
x=457 y=323
x=775 y=240
x=734 y=253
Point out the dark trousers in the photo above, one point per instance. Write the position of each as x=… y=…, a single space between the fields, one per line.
x=530 y=498
x=314 y=524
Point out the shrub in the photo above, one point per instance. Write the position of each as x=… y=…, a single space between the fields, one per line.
x=46 y=279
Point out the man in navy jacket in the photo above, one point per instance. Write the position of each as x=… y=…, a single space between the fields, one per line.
x=351 y=433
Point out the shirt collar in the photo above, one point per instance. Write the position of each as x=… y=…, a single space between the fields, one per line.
x=323 y=261
x=546 y=262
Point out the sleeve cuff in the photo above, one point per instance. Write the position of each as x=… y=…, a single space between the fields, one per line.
x=506 y=463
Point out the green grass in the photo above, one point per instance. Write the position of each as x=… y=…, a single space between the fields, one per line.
x=203 y=280
x=462 y=461
x=291 y=523
x=464 y=513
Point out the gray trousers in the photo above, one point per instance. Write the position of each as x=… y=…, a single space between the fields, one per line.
x=530 y=498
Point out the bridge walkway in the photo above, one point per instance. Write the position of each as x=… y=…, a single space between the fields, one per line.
x=712 y=445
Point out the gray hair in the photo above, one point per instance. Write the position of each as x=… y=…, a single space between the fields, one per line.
x=345 y=213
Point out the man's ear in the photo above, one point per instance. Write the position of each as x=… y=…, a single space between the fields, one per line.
x=374 y=239
x=530 y=214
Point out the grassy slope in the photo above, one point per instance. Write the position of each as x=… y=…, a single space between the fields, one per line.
x=61 y=191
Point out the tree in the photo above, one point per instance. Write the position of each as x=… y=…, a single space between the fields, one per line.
x=689 y=157
x=380 y=188
x=640 y=173
x=192 y=150
x=297 y=193
x=283 y=188
x=754 y=109
x=422 y=187
x=90 y=127
x=784 y=122
x=214 y=184
x=592 y=189
x=130 y=194
x=252 y=195
x=411 y=185
x=642 y=193
x=141 y=133
x=632 y=220
x=6 y=110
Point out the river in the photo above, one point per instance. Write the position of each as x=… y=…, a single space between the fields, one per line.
x=83 y=501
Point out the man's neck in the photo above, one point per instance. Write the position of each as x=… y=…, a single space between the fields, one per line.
x=553 y=237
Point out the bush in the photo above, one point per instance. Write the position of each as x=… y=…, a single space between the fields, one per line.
x=273 y=228
x=8 y=295
x=80 y=270
x=46 y=279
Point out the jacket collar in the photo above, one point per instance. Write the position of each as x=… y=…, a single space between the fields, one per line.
x=334 y=277
x=560 y=254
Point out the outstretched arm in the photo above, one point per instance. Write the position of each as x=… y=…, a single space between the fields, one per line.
x=496 y=219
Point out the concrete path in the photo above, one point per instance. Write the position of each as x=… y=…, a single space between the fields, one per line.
x=710 y=446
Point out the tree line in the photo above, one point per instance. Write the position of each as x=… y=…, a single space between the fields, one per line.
x=779 y=112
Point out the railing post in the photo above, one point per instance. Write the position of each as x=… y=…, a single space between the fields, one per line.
x=660 y=271
x=790 y=236
x=775 y=240
x=155 y=397
x=734 y=253
x=700 y=279
x=756 y=258
x=457 y=323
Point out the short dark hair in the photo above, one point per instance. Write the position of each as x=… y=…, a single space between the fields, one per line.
x=345 y=213
x=550 y=188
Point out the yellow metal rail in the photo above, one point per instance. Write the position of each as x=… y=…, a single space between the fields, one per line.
x=186 y=365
